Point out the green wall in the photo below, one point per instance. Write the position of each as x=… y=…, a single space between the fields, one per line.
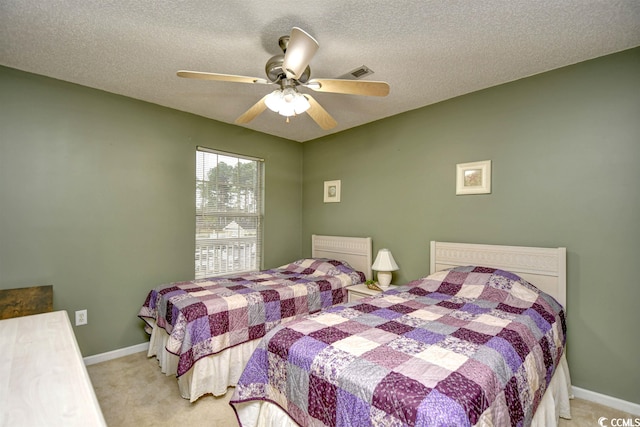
x=97 y=198
x=565 y=151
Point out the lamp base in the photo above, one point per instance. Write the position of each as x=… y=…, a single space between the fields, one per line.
x=384 y=279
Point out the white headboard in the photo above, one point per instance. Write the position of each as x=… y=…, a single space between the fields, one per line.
x=546 y=268
x=354 y=250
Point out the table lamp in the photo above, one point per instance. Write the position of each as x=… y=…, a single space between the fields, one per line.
x=384 y=265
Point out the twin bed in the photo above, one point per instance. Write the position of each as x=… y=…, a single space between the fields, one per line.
x=204 y=331
x=473 y=343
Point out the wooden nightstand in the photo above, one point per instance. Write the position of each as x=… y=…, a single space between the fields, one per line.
x=357 y=292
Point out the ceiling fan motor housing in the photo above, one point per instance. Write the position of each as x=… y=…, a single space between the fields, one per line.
x=275 y=71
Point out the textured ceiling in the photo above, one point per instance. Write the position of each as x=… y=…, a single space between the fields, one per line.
x=428 y=51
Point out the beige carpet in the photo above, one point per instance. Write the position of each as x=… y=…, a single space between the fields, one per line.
x=133 y=392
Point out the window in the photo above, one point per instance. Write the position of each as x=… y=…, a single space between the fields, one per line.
x=228 y=213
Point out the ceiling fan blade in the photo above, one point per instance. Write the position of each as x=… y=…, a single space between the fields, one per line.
x=351 y=87
x=220 y=77
x=319 y=114
x=252 y=112
x=300 y=50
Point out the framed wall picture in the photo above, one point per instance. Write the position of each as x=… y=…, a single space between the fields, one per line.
x=332 y=191
x=473 y=178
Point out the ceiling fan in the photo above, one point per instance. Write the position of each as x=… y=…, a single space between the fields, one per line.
x=290 y=71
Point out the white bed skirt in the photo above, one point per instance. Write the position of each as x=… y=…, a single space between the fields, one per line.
x=210 y=375
x=554 y=404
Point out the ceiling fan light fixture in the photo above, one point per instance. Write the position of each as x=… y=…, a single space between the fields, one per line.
x=274 y=100
x=287 y=110
x=287 y=102
x=300 y=104
x=289 y=95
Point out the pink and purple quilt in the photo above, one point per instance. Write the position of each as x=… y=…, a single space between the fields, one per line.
x=205 y=316
x=462 y=347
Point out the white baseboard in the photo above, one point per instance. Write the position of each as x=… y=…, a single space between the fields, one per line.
x=603 y=399
x=110 y=355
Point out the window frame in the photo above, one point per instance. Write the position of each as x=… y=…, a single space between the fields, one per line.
x=243 y=248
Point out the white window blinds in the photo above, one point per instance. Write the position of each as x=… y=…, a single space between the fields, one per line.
x=228 y=213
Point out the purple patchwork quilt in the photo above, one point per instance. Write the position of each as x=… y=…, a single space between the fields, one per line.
x=466 y=346
x=206 y=316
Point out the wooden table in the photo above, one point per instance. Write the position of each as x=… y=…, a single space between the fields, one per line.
x=43 y=379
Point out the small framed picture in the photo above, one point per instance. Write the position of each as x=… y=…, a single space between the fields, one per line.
x=332 y=191
x=473 y=178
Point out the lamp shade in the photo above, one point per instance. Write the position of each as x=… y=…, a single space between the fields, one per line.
x=300 y=50
x=273 y=100
x=384 y=261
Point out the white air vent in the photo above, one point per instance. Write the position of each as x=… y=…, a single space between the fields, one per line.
x=358 y=73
